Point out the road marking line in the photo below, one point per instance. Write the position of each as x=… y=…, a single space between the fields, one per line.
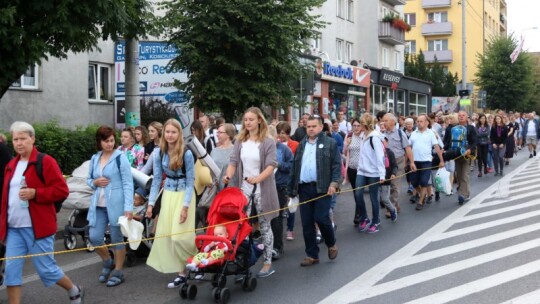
x=528 y=298
x=355 y=289
x=438 y=272
x=498 y=211
x=68 y=267
x=464 y=290
x=487 y=225
x=506 y=200
x=429 y=255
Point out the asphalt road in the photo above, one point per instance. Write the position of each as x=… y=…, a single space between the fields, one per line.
x=482 y=252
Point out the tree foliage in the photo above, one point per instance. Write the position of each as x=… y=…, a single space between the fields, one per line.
x=508 y=85
x=239 y=53
x=444 y=84
x=32 y=30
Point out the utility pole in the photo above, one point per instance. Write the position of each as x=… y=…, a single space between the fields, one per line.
x=463 y=48
x=133 y=111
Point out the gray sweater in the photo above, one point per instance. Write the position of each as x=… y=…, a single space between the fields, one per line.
x=222 y=157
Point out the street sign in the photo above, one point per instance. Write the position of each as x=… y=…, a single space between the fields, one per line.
x=463 y=93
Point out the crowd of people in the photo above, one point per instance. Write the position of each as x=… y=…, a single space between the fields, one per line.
x=267 y=163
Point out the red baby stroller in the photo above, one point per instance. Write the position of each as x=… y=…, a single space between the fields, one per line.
x=228 y=209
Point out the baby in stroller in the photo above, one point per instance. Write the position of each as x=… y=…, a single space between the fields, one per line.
x=139 y=204
x=213 y=252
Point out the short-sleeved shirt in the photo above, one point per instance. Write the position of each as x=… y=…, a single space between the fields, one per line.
x=422 y=143
x=397 y=143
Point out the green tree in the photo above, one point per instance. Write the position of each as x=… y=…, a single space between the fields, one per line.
x=437 y=77
x=421 y=66
x=508 y=86
x=240 y=53
x=450 y=81
x=32 y=30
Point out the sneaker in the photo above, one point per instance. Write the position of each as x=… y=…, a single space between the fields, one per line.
x=437 y=196
x=414 y=199
x=364 y=225
x=199 y=276
x=506 y=163
x=490 y=170
x=179 y=280
x=496 y=174
x=373 y=228
x=276 y=254
x=429 y=199
x=410 y=190
x=264 y=274
x=290 y=236
x=356 y=220
x=530 y=156
x=501 y=174
x=461 y=200
x=534 y=153
x=393 y=215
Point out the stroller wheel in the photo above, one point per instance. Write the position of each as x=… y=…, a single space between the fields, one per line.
x=89 y=246
x=225 y=296
x=192 y=291
x=183 y=291
x=249 y=284
x=216 y=294
x=70 y=241
x=131 y=259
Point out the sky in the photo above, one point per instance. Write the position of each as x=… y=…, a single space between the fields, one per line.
x=521 y=15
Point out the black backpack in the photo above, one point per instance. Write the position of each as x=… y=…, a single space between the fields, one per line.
x=39 y=171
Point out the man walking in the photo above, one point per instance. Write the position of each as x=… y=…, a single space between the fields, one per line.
x=300 y=132
x=531 y=133
x=461 y=142
x=316 y=171
x=399 y=144
x=344 y=125
x=423 y=140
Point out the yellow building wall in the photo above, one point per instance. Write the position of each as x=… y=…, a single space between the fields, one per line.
x=476 y=33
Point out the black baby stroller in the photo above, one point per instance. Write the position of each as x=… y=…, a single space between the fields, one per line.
x=146 y=244
x=228 y=209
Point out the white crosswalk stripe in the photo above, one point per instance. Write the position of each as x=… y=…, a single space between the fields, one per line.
x=498 y=225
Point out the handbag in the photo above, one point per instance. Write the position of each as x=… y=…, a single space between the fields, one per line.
x=208 y=195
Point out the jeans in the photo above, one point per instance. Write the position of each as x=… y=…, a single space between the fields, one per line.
x=20 y=242
x=351 y=174
x=290 y=221
x=482 y=156
x=97 y=232
x=317 y=211
x=373 y=195
x=490 y=157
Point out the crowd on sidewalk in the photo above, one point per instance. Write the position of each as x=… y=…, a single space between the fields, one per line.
x=374 y=152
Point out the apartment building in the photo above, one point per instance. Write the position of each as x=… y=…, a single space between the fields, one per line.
x=437 y=30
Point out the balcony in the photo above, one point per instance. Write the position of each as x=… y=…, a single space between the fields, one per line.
x=437 y=28
x=436 y=3
x=395 y=2
x=442 y=56
x=390 y=34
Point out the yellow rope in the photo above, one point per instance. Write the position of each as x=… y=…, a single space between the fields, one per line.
x=195 y=230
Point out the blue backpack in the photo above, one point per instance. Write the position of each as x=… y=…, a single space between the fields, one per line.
x=459 y=139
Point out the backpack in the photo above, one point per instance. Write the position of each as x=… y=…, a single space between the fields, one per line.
x=39 y=172
x=386 y=160
x=459 y=138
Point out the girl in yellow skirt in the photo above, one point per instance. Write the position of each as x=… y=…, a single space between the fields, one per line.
x=175 y=236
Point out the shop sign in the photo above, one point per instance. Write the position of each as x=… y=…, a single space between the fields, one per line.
x=342 y=73
x=387 y=77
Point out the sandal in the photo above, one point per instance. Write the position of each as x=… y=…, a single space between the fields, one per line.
x=116 y=279
x=106 y=271
x=79 y=298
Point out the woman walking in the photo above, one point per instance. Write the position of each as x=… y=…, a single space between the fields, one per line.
x=110 y=177
x=132 y=150
x=252 y=164
x=498 y=136
x=483 y=133
x=175 y=237
x=512 y=128
x=351 y=151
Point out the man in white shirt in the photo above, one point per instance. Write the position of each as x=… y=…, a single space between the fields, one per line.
x=344 y=125
x=531 y=133
x=422 y=141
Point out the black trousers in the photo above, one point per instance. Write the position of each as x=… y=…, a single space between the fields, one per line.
x=277 y=223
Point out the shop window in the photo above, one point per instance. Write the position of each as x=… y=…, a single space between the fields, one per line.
x=99 y=82
x=400 y=99
x=28 y=80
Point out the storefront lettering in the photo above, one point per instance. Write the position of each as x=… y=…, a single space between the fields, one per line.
x=391 y=78
x=337 y=71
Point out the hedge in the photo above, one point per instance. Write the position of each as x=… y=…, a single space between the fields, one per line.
x=69 y=147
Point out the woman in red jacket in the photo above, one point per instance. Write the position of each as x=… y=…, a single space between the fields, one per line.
x=28 y=215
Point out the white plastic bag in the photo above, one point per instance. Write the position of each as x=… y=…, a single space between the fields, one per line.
x=442 y=181
x=293 y=204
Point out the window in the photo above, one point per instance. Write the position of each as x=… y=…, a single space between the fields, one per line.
x=99 y=82
x=397 y=61
x=410 y=47
x=350 y=10
x=437 y=17
x=384 y=11
x=28 y=80
x=385 y=58
x=438 y=45
x=341 y=7
x=349 y=52
x=410 y=19
x=315 y=42
x=339 y=49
